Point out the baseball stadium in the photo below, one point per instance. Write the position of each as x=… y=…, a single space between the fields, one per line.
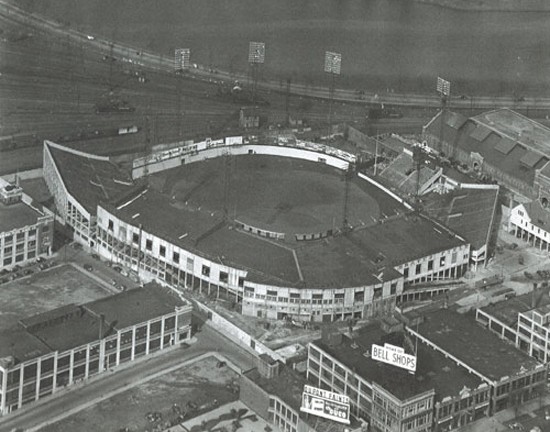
x=289 y=229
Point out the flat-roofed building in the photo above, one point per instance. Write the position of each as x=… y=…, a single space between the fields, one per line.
x=390 y=398
x=523 y=320
x=26 y=229
x=513 y=376
x=47 y=352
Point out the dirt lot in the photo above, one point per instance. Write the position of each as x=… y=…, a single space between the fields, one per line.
x=46 y=290
x=189 y=391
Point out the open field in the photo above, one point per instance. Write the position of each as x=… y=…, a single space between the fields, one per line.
x=275 y=193
x=199 y=383
x=44 y=291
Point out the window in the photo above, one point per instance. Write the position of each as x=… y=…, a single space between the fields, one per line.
x=393 y=288
x=430 y=264
x=135 y=237
x=241 y=281
x=162 y=251
x=176 y=257
x=7 y=261
x=442 y=261
x=224 y=277
x=359 y=296
x=8 y=239
x=453 y=258
x=19 y=258
x=111 y=225
x=406 y=272
x=32 y=232
x=149 y=244
x=418 y=269
x=20 y=236
x=190 y=264
x=205 y=270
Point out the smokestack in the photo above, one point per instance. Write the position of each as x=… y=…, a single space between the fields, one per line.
x=101 y=325
x=534 y=296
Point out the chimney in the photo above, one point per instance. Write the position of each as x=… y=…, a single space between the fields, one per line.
x=534 y=296
x=331 y=336
x=101 y=326
x=267 y=366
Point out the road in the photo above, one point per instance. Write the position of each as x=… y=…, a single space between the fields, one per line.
x=81 y=395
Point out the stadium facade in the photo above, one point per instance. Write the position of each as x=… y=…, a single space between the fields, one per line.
x=346 y=277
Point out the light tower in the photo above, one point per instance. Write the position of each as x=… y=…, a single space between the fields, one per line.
x=333 y=62
x=256 y=56
x=182 y=58
x=444 y=89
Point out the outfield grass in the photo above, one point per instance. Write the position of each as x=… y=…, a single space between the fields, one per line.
x=275 y=193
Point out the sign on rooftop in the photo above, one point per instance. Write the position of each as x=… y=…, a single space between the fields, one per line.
x=394 y=355
x=333 y=62
x=326 y=404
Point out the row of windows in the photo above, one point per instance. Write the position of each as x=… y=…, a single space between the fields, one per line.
x=407 y=271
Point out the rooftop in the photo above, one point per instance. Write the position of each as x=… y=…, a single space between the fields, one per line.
x=539 y=215
x=434 y=371
x=21 y=345
x=496 y=137
x=474 y=345
x=89 y=178
x=288 y=385
x=469 y=212
x=135 y=306
x=17 y=215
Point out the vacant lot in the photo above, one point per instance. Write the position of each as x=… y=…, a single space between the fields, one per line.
x=188 y=391
x=44 y=291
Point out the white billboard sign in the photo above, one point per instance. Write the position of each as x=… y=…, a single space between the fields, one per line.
x=394 y=355
x=326 y=404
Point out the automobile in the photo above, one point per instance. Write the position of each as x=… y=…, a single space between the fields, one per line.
x=88 y=267
x=515 y=426
x=123 y=287
x=192 y=405
x=96 y=257
x=220 y=364
x=124 y=273
x=28 y=272
x=90 y=37
x=114 y=282
x=3 y=272
x=43 y=266
x=547 y=414
x=16 y=268
x=40 y=260
x=117 y=268
x=76 y=246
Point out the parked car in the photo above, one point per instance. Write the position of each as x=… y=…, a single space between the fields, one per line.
x=117 y=268
x=124 y=273
x=40 y=259
x=28 y=272
x=88 y=267
x=96 y=256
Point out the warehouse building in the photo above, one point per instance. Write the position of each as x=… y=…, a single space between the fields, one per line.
x=47 y=352
x=26 y=230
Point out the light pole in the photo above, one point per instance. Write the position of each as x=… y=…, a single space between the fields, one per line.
x=333 y=63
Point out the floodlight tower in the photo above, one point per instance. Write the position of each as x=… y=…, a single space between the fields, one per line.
x=333 y=62
x=182 y=59
x=256 y=56
x=348 y=177
x=444 y=89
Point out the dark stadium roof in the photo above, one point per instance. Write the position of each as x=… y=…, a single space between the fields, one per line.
x=89 y=178
x=433 y=371
x=468 y=212
x=473 y=344
x=515 y=144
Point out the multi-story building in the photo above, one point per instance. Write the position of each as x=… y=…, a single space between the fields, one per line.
x=45 y=353
x=514 y=376
x=26 y=231
x=523 y=320
x=531 y=223
x=390 y=398
x=463 y=373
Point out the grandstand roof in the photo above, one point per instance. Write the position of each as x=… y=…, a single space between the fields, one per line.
x=469 y=212
x=515 y=144
x=89 y=178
